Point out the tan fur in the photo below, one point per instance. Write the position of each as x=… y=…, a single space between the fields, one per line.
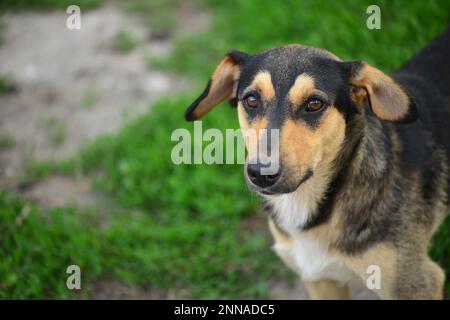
x=387 y=98
x=262 y=83
x=399 y=278
x=242 y=118
x=302 y=88
x=316 y=144
x=222 y=86
x=381 y=255
x=326 y=289
x=251 y=131
x=438 y=275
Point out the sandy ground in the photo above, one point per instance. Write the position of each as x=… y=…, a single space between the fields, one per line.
x=71 y=87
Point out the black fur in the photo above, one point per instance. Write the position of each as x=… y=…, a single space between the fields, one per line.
x=188 y=115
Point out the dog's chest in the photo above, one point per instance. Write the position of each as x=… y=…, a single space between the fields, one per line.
x=313 y=260
x=309 y=254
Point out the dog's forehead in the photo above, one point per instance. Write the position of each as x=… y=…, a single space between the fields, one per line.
x=285 y=64
x=295 y=54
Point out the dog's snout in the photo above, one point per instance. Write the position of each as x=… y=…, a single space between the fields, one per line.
x=260 y=178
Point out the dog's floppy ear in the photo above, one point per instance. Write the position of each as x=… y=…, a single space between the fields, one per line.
x=387 y=99
x=221 y=86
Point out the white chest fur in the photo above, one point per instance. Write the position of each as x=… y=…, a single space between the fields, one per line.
x=313 y=260
x=310 y=255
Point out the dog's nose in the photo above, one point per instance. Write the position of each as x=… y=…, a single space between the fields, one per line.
x=260 y=179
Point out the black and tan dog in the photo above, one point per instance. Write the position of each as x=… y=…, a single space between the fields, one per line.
x=364 y=177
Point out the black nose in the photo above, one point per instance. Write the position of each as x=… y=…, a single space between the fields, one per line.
x=261 y=180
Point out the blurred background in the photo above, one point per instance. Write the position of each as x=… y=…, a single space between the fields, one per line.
x=86 y=116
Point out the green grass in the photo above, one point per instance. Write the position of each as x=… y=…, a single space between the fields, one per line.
x=46 y=4
x=6 y=84
x=36 y=249
x=6 y=141
x=124 y=41
x=3 y=85
x=170 y=235
x=180 y=226
x=188 y=235
x=338 y=26
x=158 y=15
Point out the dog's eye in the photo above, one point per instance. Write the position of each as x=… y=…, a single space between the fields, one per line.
x=250 y=101
x=314 y=105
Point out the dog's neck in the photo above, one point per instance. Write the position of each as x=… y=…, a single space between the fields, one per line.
x=313 y=202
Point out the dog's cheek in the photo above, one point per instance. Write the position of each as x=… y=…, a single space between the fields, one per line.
x=243 y=122
x=305 y=148
x=332 y=133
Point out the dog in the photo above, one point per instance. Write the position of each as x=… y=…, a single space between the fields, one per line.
x=363 y=179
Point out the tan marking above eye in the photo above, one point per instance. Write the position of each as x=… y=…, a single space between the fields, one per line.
x=262 y=83
x=302 y=88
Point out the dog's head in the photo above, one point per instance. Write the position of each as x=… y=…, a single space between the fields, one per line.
x=309 y=95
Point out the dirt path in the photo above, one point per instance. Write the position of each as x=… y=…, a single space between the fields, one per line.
x=72 y=86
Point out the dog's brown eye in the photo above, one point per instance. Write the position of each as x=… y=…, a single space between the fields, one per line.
x=251 y=101
x=314 y=105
